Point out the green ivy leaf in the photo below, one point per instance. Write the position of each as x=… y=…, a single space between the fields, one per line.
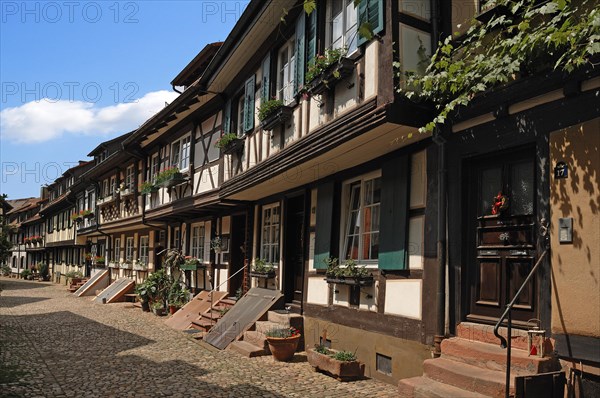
x=310 y=6
x=366 y=31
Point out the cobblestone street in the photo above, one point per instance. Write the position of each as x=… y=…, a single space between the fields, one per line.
x=56 y=345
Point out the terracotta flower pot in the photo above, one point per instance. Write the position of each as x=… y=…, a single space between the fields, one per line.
x=283 y=348
x=173 y=309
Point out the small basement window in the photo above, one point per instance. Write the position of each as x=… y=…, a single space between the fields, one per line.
x=384 y=364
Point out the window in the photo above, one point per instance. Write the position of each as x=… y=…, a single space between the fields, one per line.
x=129 y=249
x=269 y=248
x=240 y=115
x=143 y=250
x=176 y=238
x=343 y=25
x=286 y=67
x=416 y=49
x=180 y=153
x=197 y=244
x=117 y=250
x=129 y=177
x=113 y=185
x=154 y=167
x=361 y=219
x=105 y=188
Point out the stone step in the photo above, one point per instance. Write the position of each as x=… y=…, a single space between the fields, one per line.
x=265 y=326
x=493 y=357
x=246 y=349
x=202 y=324
x=214 y=315
x=256 y=338
x=424 y=387
x=466 y=377
x=227 y=302
x=285 y=318
x=485 y=334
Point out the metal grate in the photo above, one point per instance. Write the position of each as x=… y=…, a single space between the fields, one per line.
x=384 y=364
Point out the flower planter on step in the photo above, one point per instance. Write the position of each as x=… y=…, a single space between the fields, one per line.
x=341 y=370
x=283 y=348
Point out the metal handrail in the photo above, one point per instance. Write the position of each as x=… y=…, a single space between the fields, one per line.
x=222 y=283
x=506 y=343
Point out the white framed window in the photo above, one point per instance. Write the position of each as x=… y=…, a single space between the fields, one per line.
x=176 y=238
x=197 y=242
x=154 y=167
x=129 y=249
x=129 y=177
x=343 y=25
x=117 y=250
x=144 y=244
x=113 y=185
x=360 y=218
x=105 y=188
x=271 y=219
x=286 y=67
x=180 y=153
x=240 y=115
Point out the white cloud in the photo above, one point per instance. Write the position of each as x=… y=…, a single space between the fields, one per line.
x=40 y=121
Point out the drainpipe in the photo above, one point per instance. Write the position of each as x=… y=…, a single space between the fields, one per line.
x=440 y=330
x=174 y=89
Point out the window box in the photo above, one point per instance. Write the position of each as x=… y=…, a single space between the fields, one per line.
x=106 y=199
x=330 y=76
x=263 y=275
x=348 y=280
x=126 y=265
x=126 y=192
x=172 y=180
x=140 y=267
x=113 y=264
x=148 y=188
x=491 y=10
x=234 y=146
x=276 y=118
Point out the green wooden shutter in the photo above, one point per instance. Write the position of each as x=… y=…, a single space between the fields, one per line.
x=325 y=194
x=300 y=53
x=249 y=104
x=370 y=12
x=394 y=214
x=311 y=39
x=227 y=117
x=265 y=92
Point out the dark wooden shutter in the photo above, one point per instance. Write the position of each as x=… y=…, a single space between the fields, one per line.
x=226 y=118
x=325 y=195
x=300 y=52
x=370 y=12
x=265 y=92
x=311 y=39
x=249 y=104
x=394 y=214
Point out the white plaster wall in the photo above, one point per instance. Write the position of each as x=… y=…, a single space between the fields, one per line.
x=346 y=92
x=403 y=297
x=209 y=179
x=341 y=295
x=318 y=291
x=415 y=242
x=367 y=303
x=371 y=68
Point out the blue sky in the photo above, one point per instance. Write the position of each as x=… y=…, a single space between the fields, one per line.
x=76 y=73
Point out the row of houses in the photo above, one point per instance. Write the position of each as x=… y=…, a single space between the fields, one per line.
x=338 y=171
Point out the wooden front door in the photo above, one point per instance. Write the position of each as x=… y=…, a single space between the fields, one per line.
x=294 y=250
x=502 y=247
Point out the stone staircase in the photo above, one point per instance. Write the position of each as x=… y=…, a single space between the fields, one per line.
x=209 y=318
x=474 y=365
x=254 y=342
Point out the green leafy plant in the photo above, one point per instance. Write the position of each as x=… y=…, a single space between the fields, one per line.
x=350 y=269
x=532 y=36
x=25 y=274
x=158 y=284
x=178 y=294
x=260 y=266
x=166 y=175
x=74 y=274
x=323 y=61
x=267 y=108
x=146 y=187
x=5 y=270
x=282 y=333
x=142 y=291
x=321 y=349
x=43 y=270
x=225 y=140
x=345 y=356
x=158 y=305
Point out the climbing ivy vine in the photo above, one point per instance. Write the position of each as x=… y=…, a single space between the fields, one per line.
x=528 y=36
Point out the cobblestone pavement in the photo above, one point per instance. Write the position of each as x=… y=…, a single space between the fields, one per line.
x=53 y=344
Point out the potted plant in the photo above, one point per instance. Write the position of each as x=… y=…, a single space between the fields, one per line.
x=158 y=284
x=216 y=245
x=43 y=272
x=100 y=261
x=25 y=274
x=272 y=113
x=86 y=213
x=143 y=294
x=140 y=265
x=76 y=217
x=283 y=342
x=262 y=269
x=148 y=187
x=169 y=177
x=230 y=143
x=342 y=365
x=178 y=296
x=326 y=69
x=158 y=308
x=349 y=274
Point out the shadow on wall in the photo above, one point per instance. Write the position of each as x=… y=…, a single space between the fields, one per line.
x=66 y=354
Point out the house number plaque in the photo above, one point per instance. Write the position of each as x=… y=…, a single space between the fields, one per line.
x=561 y=170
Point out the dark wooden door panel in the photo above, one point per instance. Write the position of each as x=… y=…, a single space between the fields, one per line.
x=489 y=289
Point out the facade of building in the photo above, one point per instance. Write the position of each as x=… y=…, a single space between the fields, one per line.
x=338 y=173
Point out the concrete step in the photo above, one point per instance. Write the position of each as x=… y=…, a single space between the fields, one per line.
x=466 y=377
x=285 y=318
x=424 y=387
x=257 y=338
x=246 y=349
x=493 y=357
